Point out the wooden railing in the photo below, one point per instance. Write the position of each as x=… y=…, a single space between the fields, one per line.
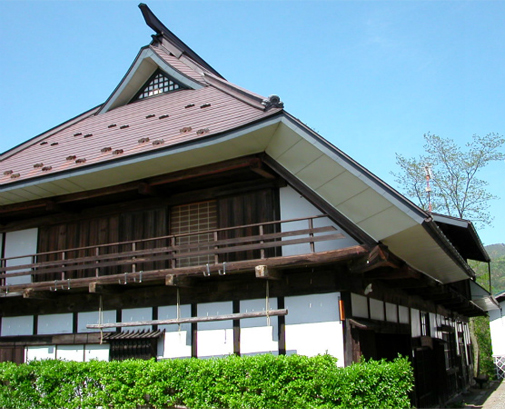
x=134 y=260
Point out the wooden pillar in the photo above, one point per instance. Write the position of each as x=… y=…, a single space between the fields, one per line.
x=236 y=328
x=194 y=332
x=282 y=327
x=346 y=328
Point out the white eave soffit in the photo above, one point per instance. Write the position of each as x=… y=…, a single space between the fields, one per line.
x=144 y=66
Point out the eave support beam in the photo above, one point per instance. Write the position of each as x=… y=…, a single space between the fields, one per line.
x=267 y=273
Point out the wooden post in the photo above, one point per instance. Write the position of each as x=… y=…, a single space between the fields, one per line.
x=311 y=235
x=63 y=265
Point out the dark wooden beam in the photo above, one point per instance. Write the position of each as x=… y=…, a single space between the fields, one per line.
x=267 y=273
x=259 y=168
x=106 y=289
x=178 y=280
x=38 y=295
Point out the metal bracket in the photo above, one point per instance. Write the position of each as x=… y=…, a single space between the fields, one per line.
x=207 y=273
x=125 y=279
x=223 y=273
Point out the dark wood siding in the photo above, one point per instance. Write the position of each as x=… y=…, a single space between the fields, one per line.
x=248 y=208
x=12 y=354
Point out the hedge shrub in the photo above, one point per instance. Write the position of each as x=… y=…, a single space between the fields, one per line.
x=263 y=381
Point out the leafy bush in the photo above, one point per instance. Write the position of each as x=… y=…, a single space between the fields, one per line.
x=263 y=381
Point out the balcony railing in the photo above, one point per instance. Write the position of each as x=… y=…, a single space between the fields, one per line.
x=152 y=258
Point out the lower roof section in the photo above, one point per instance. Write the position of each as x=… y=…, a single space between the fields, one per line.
x=373 y=206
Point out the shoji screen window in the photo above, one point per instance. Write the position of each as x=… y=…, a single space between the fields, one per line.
x=191 y=224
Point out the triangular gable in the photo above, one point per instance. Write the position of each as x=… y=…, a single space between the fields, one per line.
x=142 y=69
x=159 y=83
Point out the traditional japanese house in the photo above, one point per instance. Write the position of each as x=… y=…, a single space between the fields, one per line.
x=188 y=217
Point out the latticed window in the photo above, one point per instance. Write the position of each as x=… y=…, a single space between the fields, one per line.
x=191 y=223
x=159 y=83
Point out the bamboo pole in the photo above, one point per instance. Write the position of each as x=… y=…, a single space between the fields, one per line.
x=191 y=320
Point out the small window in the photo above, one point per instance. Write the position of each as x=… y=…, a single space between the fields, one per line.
x=191 y=224
x=159 y=83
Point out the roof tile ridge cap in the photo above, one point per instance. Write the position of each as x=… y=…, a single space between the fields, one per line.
x=235 y=91
x=153 y=48
x=237 y=87
x=50 y=132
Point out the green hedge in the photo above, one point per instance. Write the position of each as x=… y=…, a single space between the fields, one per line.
x=263 y=381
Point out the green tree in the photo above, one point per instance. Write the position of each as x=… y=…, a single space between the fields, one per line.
x=456 y=188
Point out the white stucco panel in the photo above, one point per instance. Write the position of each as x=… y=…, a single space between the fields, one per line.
x=177 y=345
x=55 y=324
x=85 y=318
x=17 y=326
x=39 y=353
x=137 y=314
x=294 y=206
x=70 y=353
x=20 y=243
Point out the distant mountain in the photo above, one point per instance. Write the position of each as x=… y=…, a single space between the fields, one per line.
x=496 y=250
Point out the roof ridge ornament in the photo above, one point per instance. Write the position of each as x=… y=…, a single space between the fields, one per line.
x=162 y=31
x=273 y=101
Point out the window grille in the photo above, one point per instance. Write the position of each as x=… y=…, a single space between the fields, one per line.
x=194 y=218
x=159 y=83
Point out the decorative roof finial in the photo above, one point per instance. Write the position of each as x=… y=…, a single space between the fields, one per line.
x=273 y=101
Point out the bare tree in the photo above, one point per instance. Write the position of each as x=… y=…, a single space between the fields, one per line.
x=456 y=188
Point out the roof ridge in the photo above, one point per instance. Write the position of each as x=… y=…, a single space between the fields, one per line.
x=162 y=31
x=155 y=49
x=243 y=94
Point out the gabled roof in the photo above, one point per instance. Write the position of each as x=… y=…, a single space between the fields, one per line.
x=210 y=121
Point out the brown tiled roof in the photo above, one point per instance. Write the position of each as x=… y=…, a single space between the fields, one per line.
x=137 y=128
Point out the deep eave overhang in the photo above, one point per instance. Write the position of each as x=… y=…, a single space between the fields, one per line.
x=274 y=129
x=457 y=229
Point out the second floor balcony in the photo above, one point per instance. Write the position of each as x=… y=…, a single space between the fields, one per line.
x=165 y=259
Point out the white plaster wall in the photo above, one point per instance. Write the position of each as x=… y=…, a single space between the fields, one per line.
x=177 y=339
x=391 y=312
x=85 y=318
x=294 y=206
x=214 y=338
x=403 y=312
x=137 y=314
x=313 y=326
x=433 y=325
x=415 y=323
x=39 y=353
x=70 y=353
x=359 y=306
x=22 y=325
x=55 y=324
x=97 y=352
x=258 y=335
x=20 y=243
x=497 y=327
x=376 y=309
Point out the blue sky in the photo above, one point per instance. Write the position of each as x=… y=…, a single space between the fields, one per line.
x=370 y=76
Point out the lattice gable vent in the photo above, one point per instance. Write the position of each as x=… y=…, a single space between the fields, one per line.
x=158 y=83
